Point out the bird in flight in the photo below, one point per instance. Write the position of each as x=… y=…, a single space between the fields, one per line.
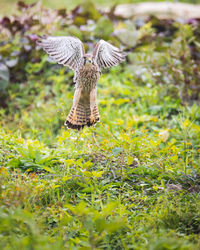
x=69 y=51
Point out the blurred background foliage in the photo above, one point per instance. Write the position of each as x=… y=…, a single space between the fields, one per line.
x=165 y=51
x=131 y=182
x=9 y=7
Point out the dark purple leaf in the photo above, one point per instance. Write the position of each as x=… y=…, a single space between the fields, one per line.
x=33 y=37
x=5 y=22
x=22 y=5
x=62 y=12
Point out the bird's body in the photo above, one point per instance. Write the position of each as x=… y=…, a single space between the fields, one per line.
x=69 y=51
x=87 y=74
x=84 y=110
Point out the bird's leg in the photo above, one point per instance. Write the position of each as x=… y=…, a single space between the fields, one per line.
x=93 y=98
x=77 y=95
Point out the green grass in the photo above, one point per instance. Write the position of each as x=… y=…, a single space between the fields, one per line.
x=106 y=187
x=130 y=182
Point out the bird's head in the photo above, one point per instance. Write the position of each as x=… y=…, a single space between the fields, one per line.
x=88 y=60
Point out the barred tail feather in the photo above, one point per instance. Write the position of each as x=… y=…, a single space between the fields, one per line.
x=81 y=116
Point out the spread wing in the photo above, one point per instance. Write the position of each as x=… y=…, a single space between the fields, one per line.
x=65 y=50
x=107 y=55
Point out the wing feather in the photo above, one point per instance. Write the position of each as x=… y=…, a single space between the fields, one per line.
x=65 y=50
x=107 y=55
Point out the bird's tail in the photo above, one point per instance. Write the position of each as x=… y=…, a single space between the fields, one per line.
x=81 y=116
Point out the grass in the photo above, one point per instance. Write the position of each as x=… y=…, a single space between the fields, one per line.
x=107 y=187
x=130 y=182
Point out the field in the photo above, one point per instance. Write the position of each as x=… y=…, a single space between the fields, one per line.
x=130 y=182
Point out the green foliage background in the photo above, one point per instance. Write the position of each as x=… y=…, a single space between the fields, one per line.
x=8 y=6
x=131 y=182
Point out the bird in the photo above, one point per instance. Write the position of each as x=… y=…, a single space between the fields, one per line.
x=69 y=51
